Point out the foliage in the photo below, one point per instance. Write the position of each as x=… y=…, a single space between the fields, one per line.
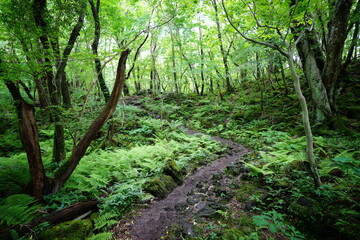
x=274 y=222
x=18 y=208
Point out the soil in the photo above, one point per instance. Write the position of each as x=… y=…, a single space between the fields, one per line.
x=200 y=196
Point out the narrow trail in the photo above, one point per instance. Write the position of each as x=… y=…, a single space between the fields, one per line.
x=178 y=207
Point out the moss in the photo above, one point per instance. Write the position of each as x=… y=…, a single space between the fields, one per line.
x=72 y=230
x=305 y=208
x=160 y=186
x=94 y=216
x=232 y=234
x=243 y=193
x=173 y=170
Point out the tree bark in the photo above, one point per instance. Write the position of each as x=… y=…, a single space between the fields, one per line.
x=29 y=139
x=312 y=73
x=229 y=88
x=66 y=214
x=335 y=45
x=173 y=60
x=355 y=37
x=305 y=118
x=95 y=9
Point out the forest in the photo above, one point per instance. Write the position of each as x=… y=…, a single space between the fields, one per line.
x=192 y=119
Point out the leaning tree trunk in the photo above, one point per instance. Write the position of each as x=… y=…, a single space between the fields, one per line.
x=64 y=172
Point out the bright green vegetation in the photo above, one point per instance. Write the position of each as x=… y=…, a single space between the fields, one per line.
x=288 y=202
x=94 y=96
x=140 y=150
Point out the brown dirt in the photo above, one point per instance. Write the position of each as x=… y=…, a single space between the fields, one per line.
x=152 y=223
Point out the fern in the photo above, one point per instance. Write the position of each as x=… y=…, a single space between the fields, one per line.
x=101 y=236
x=18 y=208
x=257 y=170
x=105 y=220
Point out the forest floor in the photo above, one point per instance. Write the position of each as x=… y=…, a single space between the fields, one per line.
x=198 y=197
x=203 y=194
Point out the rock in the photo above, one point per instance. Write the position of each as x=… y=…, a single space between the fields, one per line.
x=234 y=169
x=160 y=186
x=207 y=212
x=305 y=208
x=217 y=176
x=171 y=169
x=201 y=205
x=192 y=200
x=181 y=207
x=72 y=230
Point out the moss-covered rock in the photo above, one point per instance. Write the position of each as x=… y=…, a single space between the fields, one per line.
x=305 y=208
x=171 y=169
x=72 y=230
x=243 y=193
x=160 y=186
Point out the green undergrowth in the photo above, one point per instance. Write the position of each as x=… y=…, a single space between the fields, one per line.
x=132 y=149
x=291 y=207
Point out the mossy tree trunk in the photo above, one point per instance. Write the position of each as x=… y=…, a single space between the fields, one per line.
x=305 y=118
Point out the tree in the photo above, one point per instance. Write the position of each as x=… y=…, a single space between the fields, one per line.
x=322 y=58
x=41 y=184
x=289 y=54
x=95 y=9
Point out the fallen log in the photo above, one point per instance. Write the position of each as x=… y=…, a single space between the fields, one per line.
x=63 y=215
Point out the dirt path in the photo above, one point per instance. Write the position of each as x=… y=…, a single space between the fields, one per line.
x=196 y=196
x=178 y=207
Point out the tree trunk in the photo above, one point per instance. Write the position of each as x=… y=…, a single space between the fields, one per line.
x=94 y=46
x=66 y=214
x=65 y=91
x=312 y=73
x=173 y=60
x=29 y=139
x=229 y=88
x=65 y=171
x=305 y=117
x=335 y=45
x=322 y=75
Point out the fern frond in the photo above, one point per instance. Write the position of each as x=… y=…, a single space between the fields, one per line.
x=101 y=236
x=105 y=220
x=18 y=208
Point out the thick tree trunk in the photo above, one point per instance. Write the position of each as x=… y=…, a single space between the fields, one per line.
x=312 y=73
x=335 y=45
x=29 y=139
x=322 y=74
x=65 y=171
